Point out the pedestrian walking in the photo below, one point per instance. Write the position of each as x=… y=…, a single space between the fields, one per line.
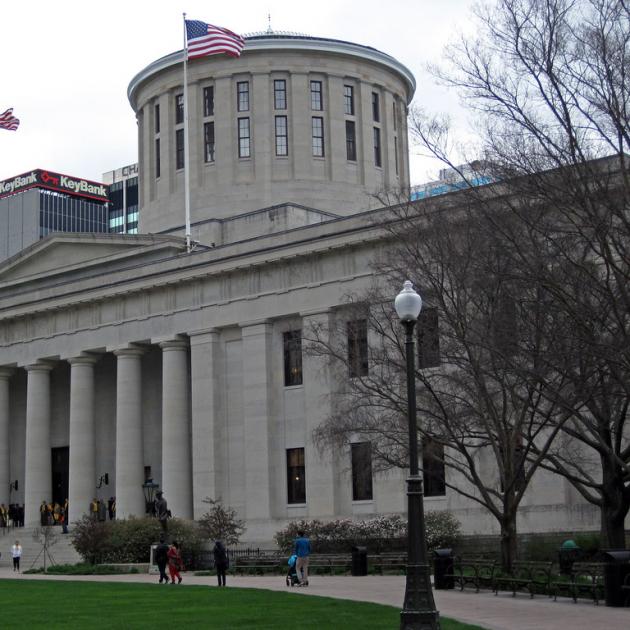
x=161 y=559
x=302 y=549
x=175 y=562
x=16 y=553
x=221 y=561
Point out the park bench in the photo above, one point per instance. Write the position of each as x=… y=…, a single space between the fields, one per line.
x=534 y=577
x=260 y=564
x=477 y=572
x=329 y=562
x=585 y=578
x=388 y=561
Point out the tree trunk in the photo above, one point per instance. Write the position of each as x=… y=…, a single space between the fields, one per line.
x=615 y=507
x=508 y=542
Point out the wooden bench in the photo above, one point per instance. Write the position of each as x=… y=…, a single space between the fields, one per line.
x=585 y=578
x=329 y=562
x=534 y=577
x=260 y=565
x=478 y=572
x=395 y=561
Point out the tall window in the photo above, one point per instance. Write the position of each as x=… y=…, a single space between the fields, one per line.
x=280 y=94
x=376 y=107
x=316 y=95
x=244 y=145
x=396 y=153
x=179 y=109
x=242 y=92
x=208 y=141
x=361 y=454
x=208 y=101
x=156 y=112
x=394 y=115
x=282 y=144
x=357 y=348
x=351 y=141
x=157 y=158
x=377 y=147
x=292 y=343
x=433 y=470
x=428 y=339
x=318 y=136
x=296 y=476
x=348 y=100
x=179 y=149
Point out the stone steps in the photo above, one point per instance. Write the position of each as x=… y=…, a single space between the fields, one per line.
x=62 y=551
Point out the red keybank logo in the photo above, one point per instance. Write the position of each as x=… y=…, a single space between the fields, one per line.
x=54 y=181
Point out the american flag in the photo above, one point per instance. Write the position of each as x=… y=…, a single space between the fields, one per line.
x=205 y=39
x=8 y=120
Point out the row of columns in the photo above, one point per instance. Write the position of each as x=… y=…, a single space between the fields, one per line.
x=176 y=439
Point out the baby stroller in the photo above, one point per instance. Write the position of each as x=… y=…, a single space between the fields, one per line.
x=292 y=577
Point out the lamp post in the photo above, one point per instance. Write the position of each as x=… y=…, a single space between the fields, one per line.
x=419 y=612
x=149 y=487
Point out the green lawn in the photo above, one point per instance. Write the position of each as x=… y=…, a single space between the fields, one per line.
x=92 y=605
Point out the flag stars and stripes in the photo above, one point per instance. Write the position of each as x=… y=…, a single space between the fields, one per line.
x=205 y=39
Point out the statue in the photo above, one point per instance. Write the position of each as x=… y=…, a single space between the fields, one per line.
x=161 y=510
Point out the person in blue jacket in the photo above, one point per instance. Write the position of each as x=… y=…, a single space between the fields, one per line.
x=302 y=549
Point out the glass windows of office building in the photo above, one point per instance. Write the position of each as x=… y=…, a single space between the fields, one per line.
x=63 y=213
x=123 y=211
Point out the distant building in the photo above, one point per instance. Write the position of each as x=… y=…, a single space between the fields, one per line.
x=452 y=179
x=123 y=197
x=39 y=202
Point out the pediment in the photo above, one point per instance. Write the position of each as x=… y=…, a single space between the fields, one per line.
x=72 y=254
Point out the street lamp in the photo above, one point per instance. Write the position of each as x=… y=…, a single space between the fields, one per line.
x=418 y=611
x=149 y=487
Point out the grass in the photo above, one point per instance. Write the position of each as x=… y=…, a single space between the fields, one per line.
x=73 y=604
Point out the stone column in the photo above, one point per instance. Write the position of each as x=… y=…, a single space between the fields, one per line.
x=256 y=412
x=82 y=466
x=38 y=459
x=204 y=380
x=176 y=450
x=129 y=449
x=5 y=460
x=321 y=471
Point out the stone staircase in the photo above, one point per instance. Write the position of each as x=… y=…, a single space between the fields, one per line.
x=62 y=551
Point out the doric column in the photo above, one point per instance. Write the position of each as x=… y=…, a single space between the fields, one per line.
x=176 y=451
x=321 y=472
x=5 y=461
x=129 y=451
x=82 y=466
x=38 y=460
x=256 y=412
x=204 y=379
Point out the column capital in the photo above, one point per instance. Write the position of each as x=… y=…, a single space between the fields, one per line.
x=203 y=336
x=255 y=327
x=40 y=366
x=83 y=359
x=129 y=352
x=174 y=344
x=5 y=372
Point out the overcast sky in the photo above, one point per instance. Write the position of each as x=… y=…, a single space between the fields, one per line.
x=67 y=64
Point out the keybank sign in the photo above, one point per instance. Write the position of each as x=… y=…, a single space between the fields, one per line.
x=54 y=181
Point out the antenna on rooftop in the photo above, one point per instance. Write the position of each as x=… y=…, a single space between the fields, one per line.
x=269 y=29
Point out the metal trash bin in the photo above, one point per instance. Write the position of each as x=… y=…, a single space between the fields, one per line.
x=443 y=562
x=615 y=572
x=568 y=553
x=359 y=561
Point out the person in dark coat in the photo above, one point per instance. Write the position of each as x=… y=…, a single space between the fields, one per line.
x=161 y=559
x=221 y=561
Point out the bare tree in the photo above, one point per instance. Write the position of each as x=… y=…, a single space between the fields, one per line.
x=548 y=82
x=490 y=401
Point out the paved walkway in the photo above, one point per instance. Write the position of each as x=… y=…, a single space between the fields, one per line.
x=502 y=612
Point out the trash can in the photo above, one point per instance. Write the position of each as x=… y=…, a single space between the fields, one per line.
x=568 y=553
x=615 y=572
x=359 y=561
x=443 y=569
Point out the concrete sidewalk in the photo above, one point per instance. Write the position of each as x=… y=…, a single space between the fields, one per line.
x=502 y=612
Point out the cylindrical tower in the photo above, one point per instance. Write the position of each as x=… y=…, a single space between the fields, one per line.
x=310 y=121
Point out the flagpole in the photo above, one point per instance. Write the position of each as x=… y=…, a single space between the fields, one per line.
x=186 y=143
